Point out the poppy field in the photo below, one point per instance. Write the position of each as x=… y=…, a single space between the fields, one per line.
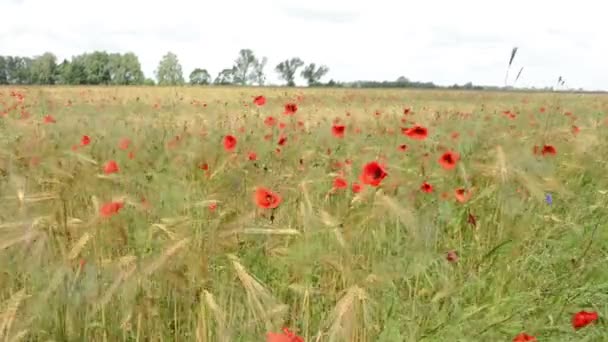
x=273 y=214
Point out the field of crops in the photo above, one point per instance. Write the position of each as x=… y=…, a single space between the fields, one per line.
x=277 y=214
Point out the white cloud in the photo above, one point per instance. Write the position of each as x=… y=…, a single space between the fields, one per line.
x=434 y=40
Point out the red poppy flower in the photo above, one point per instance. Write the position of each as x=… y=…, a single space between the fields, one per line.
x=373 y=174
x=290 y=109
x=49 y=119
x=110 y=167
x=282 y=140
x=203 y=166
x=575 y=129
x=85 y=140
x=259 y=100
x=124 y=144
x=110 y=209
x=266 y=199
x=229 y=143
x=417 y=132
x=406 y=111
x=402 y=147
x=523 y=337
x=356 y=188
x=452 y=256
x=584 y=318
x=131 y=155
x=270 y=121
x=338 y=130
x=548 y=150
x=542 y=109
x=252 y=156
x=340 y=183
x=462 y=195
x=282 y=125
x=426 y=187
x=212 y=206
x=285 y=336
x=449 y=159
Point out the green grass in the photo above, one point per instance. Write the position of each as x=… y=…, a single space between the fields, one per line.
x=330 y=266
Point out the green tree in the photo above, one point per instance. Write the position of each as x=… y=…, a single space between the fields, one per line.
x=44 y=69
x=74 y=72
x=18 y=70
x=225 y=77
x=169 y=71
x=313 y=74
x=97 y=67
x=244 y=67
x=258 y=72
x=287 y=70
x=125 y=69
x=200 y=77
x=3 y=78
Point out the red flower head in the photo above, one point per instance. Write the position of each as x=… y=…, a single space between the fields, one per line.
x=356 y=188
x=462 y=195
x=110 y=167
x=266 y=199
x=259 y=100
x=252 y=156
x=124 y=144
x=575 y=129
x=285 y=336
x=426 y=187
x=583 y=318
x=229 y=143
x=340 y=183
x=402 y=147
x=452 y=256
x=417 y=132
x=290 y=109
x=110 y=209
x=49 y=119
x=373 y=174
x=548 y=150
x=85 y=140
x=282 y=140
x=523 y=337
x=338 y=130
x=270 y=121
x=449 y=159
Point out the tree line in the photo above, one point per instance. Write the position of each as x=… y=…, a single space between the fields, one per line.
x=102 y=68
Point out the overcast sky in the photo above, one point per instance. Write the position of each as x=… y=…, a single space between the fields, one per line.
x=444 y=41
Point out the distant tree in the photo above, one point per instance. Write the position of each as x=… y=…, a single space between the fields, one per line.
x=96 y=67
x=3 y=78
x=169 y=71
x=403 y=80
x=125 y=69
x=44 y=69
x=287 y=70
x=258 y=72
x=313 y=74
x=225 y=77
x=200 y=77
x=18 y=70
x=244 y=67
x=74 y=72
x=149 y=82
